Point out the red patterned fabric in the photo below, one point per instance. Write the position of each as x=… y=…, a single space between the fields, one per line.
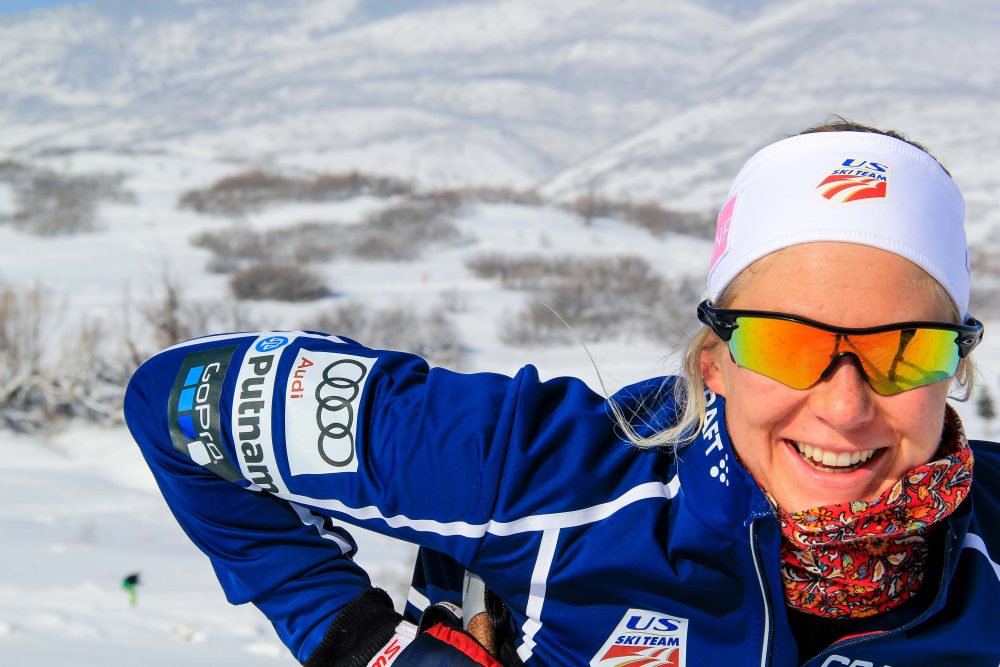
x=863 y=558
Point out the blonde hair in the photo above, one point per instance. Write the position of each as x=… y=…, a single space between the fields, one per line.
x=688 y=388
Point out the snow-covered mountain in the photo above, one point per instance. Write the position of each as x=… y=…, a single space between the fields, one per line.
x=649 y=100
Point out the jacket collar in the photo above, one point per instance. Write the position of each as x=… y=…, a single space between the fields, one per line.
x=719 y=490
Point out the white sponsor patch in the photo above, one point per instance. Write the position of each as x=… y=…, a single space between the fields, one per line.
x=322 y=399
x=253 y=406
x=645 y=637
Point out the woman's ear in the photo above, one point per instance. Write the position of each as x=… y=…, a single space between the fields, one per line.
x=711 y=371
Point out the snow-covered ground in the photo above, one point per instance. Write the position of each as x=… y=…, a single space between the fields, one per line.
x=635 y=99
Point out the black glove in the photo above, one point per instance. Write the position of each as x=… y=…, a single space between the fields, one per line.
x=369 y=633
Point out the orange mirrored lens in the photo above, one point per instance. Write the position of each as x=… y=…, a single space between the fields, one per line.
x=798 y=354
x=899 y=360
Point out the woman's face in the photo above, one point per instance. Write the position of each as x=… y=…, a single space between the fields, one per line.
x=844 y=285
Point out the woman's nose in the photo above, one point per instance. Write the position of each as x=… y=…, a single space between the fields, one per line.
x=843 y=398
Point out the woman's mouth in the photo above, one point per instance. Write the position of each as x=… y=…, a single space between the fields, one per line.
x=829 y=461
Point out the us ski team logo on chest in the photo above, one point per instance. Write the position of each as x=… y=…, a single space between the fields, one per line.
x=645 y=639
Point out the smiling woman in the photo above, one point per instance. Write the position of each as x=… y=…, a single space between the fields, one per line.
x=803 y=495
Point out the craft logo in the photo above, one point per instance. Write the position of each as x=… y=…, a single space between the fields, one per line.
x=841 y=661
x=645 y=639
x=710 y=434
x=193 y=412
x=323 y=399
x=722 y=227
x=855 y=180
x=253 y=405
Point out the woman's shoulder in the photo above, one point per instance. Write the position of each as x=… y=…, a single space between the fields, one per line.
x=986 y=468
x=985 y=494
x=649 y=406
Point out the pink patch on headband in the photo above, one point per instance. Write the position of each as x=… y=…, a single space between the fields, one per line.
x=722 y=226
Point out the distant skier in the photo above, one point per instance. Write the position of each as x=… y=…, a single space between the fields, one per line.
x=129 y=583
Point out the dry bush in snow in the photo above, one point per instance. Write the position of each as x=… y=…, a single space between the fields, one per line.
x=600 y=298
x=52 y=370
x=250 y=191
x=43 y=380
x=278 y=282
x=656 y=218
x=430 y=335
x=396 y=233
x=661 y=220
x=402 y=232
x=52 y=204
x=985 y=293
x=524 y=272
x=483 y=194
x=234 y=249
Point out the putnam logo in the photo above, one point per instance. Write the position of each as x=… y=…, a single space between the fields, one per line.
x=253 y=409
x=645 y=639
x=855 y=180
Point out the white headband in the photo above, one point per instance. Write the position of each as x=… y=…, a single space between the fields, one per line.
x=856 y=187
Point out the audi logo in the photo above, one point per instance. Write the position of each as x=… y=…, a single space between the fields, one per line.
x=335 y=410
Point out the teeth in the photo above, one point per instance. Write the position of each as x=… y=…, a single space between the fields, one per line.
x=832 y=459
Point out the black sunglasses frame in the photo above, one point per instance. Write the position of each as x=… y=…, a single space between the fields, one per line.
x=723 y=322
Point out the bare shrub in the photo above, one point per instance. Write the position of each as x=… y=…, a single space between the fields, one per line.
x=353 y=184
x=250 y=191
x=233 y=249
x=309 y=241
x=658 y=219
x=985 y=292
x=52 y=204
x=399 y=232
x=600 y=298
x=590 y=206
x=167 y=316
x=402 y=232
x=984 y=298
x=430 y=335
x=482 y=195
x=527 y=272
x=453 y=300
x=279 y=282
x=92 y=376
x=40 y=385
x=82 y=373
x=24 y=321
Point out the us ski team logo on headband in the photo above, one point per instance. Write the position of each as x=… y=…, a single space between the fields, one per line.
x=855 y=180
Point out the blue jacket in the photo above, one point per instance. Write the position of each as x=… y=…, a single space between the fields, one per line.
x=265 y=444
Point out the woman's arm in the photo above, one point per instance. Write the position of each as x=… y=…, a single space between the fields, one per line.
x=256 y=441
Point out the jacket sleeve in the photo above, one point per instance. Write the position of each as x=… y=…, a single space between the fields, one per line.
x=312 y=430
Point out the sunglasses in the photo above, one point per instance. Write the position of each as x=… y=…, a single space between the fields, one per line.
x=798 y=352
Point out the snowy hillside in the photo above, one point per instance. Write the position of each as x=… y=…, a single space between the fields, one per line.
x=631 y=100
x=650 y=100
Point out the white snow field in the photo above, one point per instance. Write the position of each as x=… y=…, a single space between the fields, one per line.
x=633 y=100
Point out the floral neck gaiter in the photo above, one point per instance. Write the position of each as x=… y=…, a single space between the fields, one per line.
x=852 y=560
